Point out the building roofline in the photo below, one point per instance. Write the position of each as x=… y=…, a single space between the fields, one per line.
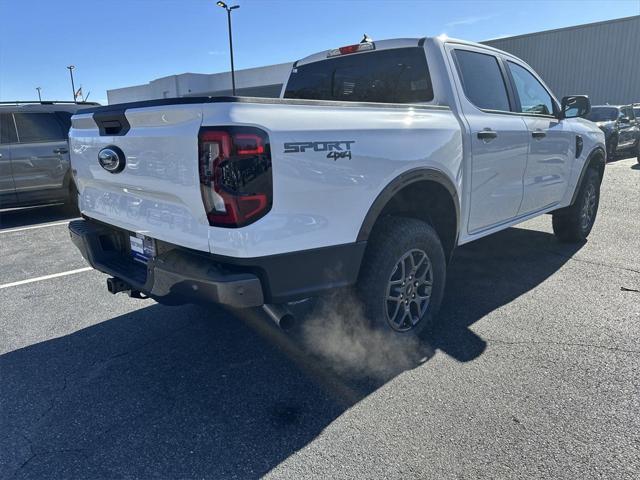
x=561 y=29
x=226 y=72
x=176 y=76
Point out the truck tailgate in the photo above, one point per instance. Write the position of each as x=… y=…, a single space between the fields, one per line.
x=158 y=191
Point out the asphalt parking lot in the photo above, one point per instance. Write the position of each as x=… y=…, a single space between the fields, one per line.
x=533 y=372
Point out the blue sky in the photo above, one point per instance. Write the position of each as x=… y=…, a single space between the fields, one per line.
x=118 y=43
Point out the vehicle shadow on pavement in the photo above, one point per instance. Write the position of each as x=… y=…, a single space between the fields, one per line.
x=26 y=217
x=487 y=274
x=482 y=277
x=166 y=392
x=194 y=392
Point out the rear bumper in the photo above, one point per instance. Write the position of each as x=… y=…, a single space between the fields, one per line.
x=178 y=275
x=174 y=276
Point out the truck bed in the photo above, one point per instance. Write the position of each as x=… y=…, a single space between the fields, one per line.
x=158 y=194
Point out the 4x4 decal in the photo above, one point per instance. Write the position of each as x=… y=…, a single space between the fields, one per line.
x=337 y=149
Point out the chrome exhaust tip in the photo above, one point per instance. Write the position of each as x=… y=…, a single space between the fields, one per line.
x=280 y=315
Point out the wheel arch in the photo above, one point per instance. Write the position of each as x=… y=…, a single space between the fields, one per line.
x=405 y=195
x=597 y=159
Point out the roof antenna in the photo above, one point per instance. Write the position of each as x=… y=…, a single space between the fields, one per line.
x=366 y=39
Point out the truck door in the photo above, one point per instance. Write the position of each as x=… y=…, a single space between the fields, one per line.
x=499 y=139
x=551 y=141
x=7 y=137
x=40 y=160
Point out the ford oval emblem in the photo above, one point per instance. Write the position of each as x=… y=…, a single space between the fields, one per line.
x=111 y=159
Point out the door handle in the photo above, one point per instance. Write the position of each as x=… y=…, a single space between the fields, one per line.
x=60 y=150
x=538 y=134
x=487 y=135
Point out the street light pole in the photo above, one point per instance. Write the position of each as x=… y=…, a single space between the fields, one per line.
x=39 y=97
x=233 y=73
x=73 y=87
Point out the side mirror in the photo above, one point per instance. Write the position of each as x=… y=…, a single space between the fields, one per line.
x=575 y=106
x=625 y=120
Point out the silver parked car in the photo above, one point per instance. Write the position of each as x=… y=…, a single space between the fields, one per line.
x=34 y=153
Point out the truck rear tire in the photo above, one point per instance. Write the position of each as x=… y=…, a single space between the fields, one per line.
x=573 y=224
x=402 y=279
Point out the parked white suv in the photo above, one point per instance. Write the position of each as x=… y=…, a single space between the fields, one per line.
x=378 y=160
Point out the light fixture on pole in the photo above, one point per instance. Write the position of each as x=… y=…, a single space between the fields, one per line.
x=73 y=87
x=233 y=74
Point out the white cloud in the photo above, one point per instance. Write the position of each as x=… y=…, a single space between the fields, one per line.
x=469 y=20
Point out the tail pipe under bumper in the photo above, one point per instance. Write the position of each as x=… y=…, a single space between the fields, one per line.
x=280 y=315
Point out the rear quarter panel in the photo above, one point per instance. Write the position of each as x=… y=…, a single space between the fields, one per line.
x=319 y=201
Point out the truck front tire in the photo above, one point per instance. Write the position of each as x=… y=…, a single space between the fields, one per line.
x=573 y=224
x=402 y=280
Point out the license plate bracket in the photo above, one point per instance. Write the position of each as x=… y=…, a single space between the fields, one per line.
x=143 y=248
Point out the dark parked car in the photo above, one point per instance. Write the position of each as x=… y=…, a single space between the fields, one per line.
x=621 y=127
x=34 y=153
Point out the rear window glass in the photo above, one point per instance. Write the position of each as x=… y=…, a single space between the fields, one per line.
x=388 y=76
x=603 y=114
x=38 y=127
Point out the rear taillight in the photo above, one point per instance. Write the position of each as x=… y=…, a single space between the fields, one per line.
x=235 y=175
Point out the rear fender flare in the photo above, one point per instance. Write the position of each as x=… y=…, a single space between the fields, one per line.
x=400 y=182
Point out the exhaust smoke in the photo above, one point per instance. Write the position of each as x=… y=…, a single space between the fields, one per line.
x=339 y=333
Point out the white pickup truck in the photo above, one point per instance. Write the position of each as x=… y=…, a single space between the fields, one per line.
x=376 y=162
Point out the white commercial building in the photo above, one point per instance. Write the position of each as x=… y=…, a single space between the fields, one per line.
x=253 y=82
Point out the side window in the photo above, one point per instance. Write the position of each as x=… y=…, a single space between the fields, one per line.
x=534 y=98
x=7 y=129
x=482 y=80
x=38 y=127
x=628 y=112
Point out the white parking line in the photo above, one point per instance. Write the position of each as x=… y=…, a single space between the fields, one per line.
x=45 y=277
x=42 y=225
